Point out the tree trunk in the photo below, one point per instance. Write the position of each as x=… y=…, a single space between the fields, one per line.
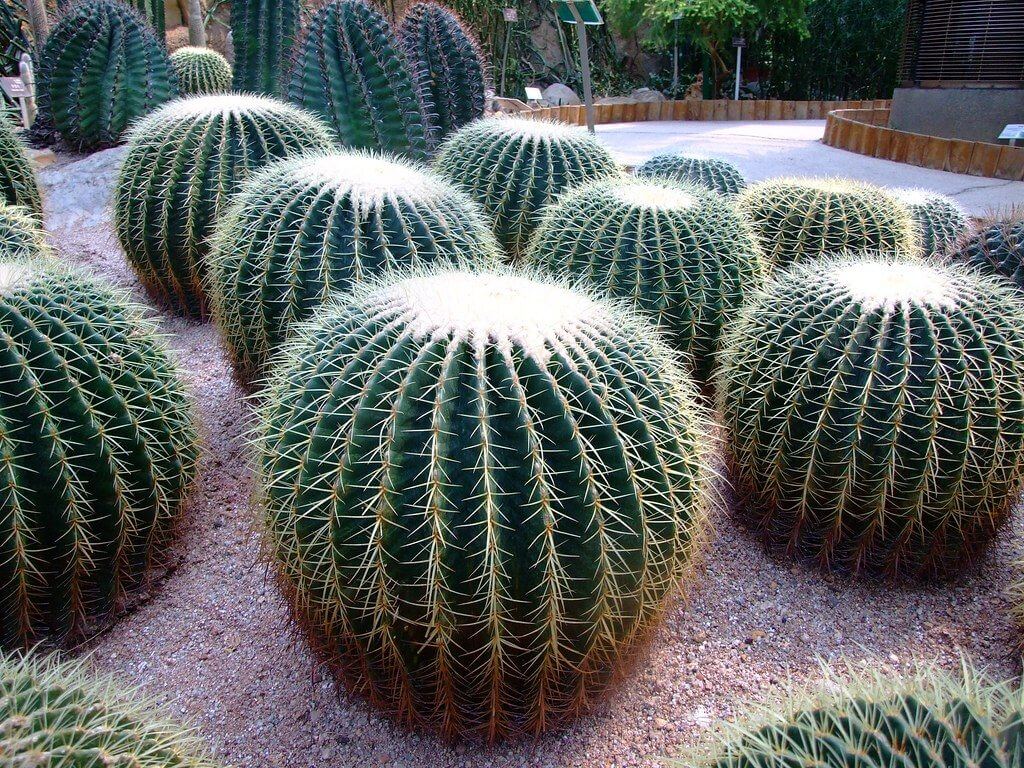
x=196 y=29
x=38 y=21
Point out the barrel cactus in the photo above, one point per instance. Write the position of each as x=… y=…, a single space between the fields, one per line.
x=351 y=71
x=479 y=489
x=876 y=412
x=683 y=255
x=18 y=185
x=708 y=172
x=515 y=167
x=21 y=234
x=997 y=248
x=940 y=221
x=201 y=71
x=101 y=69
x=263 y=33
x=183 y=164
x=802 y=218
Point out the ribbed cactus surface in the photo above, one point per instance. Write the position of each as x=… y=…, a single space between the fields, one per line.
x=183 y=164
x=799 y=219
x=97 y=449
x=514 y=168
x=264 y=34
x=350 y=70
x=683 y=255
x=876 y=412
x=18 y=185
x=21 y=234
x=940 y=221
x=318 y=224
x=479 y=490
x=708 y=172
x=997 y=248
x=101 y=69
x=201 y=71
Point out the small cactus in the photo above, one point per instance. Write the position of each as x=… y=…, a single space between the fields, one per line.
x=997 y=248
x=515 y=167
x=709 y=172
x=479 y=489
x=201 y=71
x=682 y=254
x=18 y=185
x=264 y=34
x=799 y=219
x=876 y=412
x=183 y=164
x=21 y=234
x=940 y=221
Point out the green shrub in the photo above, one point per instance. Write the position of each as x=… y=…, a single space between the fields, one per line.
x=201 y=71
x=18 y=184
x=21 y=234
x=997 y=248
x=940 y=221
x=264 y=33
x=708 y=172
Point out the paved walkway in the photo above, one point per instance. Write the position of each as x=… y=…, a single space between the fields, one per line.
x=794 y=148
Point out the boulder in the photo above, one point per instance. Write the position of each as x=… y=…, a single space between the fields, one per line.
x=646 y=95
x=560 y=95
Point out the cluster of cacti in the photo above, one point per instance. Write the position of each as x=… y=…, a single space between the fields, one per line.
x=681 y=254
x=21 y=234
x=997 y=248
x=97 y=449
x=184 y=162
x=350 y=70
x=263 y=33
x=708 y=172
x=56 y=713
x=101 y=69
x=318 y=224
x=18 y=185
x=514 y=168
x=447 y=63
x=876 y=412
x=479 y=487
x=200 y=71
x=941 y=222
x=798 y=219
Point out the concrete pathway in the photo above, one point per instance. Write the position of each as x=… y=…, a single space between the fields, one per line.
x=793 y=148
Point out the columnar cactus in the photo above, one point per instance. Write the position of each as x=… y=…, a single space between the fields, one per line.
x=101 y=69
x=708 y=172
x=447 y=63
x=201 y=71
x=683 y=255
x=18 y=185
x=876 y=412
x=514 y=168
x=183 y=164
x=479 y=490
x=97 y=450
x=941 y=222
x=798 y=219
x=264 y=33
x=997 y=248
x=320 y=223
x=21 y=234
x=351 y=71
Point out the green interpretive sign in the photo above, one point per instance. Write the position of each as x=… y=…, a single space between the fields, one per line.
x=586 y=9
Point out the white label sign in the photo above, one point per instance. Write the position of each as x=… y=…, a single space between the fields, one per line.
x=1013 y=131
x=15 y=87
x=534 y=94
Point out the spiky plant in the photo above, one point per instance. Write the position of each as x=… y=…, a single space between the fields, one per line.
x=18 y=185
x=21 y=234
x=56 y=713
x=997 y=248
x=447 y=63
x=264 y=34
x=876 y=412
x=201 y=71
x=13 y=38
x=798 y=219
x=940 y=221
x=153 y=11
x=351 y=71
x=97 y=449
x=514 y=168
x=708 y=172
x=683 y=255
x=183 y=164
x=320 y=223
x=479 y=489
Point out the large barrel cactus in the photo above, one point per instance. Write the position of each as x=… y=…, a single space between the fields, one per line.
x=997 y=248
x=479 y=490
x=447 y=63
x=18 y=185
x=21 y=234
x=183 y=164
x=264 y=33
x=708 y=172
x=351 y=71
x=101 y=69
x=798 y=219
x=319 y=224
x=683 y=255
x=514 y=168
x=200 y=71
x=876 y=412
x=941 y=222
x=97 y=449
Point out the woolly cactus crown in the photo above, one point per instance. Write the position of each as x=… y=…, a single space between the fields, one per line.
x=941 y=222
x=201 y=71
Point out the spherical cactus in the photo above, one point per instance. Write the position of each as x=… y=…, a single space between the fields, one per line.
x=803 y=218
x=708 y=172
x=479 y=490
x=201 y=71
x=97 y=450
x=183 y=164
x=876 y=412
x=58 y=713
x=101 y=69
x=997 y=248
x=516 y=167
x=21 y=234
x=683 y=255
x=940 y=221
x=324 y=222
x=18 y=185
x=263 y=33
x=351 y=71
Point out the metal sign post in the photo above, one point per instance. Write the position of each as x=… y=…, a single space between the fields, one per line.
x=675 y=55
x=1013 y=133
x=511 y=16
x=740 y=43
x=582 y=13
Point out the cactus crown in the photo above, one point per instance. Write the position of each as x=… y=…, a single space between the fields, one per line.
x=21 y=234
x=941 y=222
x=708 y=172
x=997 y=248
x=18 y=185
x=264 y=34
x=201 y=71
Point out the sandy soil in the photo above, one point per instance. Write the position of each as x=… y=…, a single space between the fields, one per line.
x=212 y=640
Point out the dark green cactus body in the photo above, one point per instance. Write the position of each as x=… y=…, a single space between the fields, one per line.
x=200 y=71
x=876 y=412
x=997 y=249
x=153 y=11
x=264 y=33
x=97 y=450
x=183 y=164
x=479 y=490
x=447 y=63
x=351 y=71
x=514 y=168
x=18 y=185
x=21 y=234
x=708 y=172
x=683 y=255
x=941 y=223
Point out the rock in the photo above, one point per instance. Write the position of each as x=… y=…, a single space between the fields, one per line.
x=77 y=195
x=560 y=95
x=646 y=95
x=614 y=100
x=42 y=157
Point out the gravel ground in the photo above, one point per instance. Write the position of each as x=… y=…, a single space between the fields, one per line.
x=212 y=639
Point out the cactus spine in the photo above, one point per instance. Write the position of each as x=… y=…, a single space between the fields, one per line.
x=940 y=221
x=264 y=34
x=21 y=234
x=18 y=185
x=201 y=71
x=997 y=248
x=707 y=172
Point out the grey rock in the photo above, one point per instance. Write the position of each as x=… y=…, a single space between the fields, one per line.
x=560 y=95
